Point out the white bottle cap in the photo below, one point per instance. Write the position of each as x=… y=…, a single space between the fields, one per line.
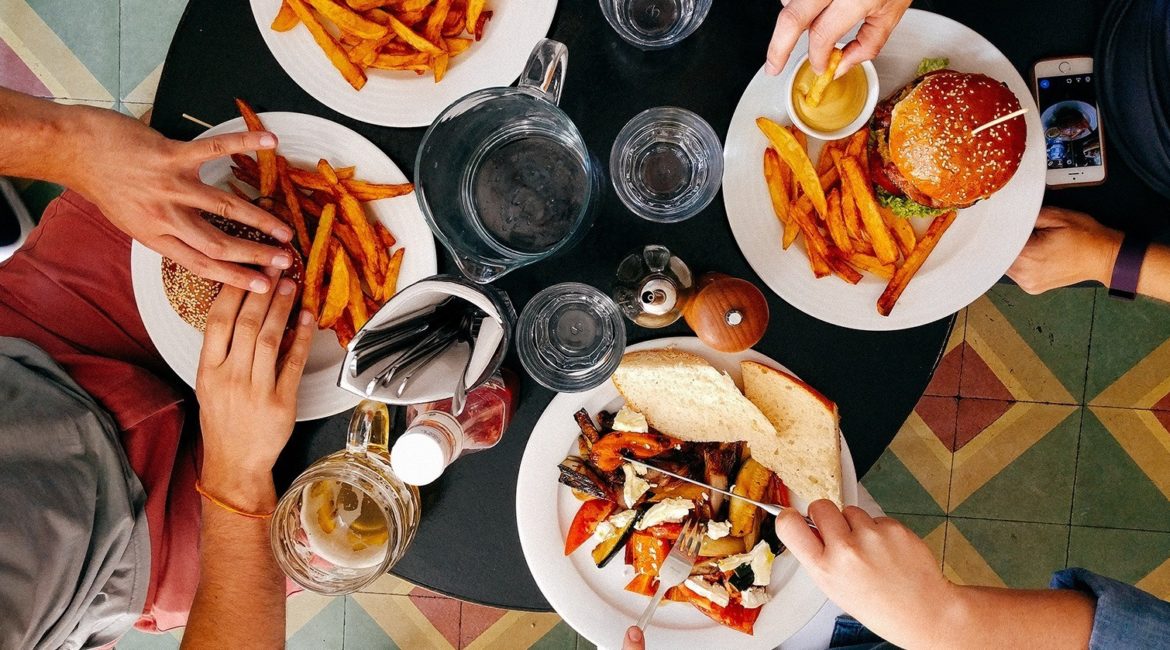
x=420 y=455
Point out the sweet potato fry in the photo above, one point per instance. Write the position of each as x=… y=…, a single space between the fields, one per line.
x=401 y=61
x=367 y=51
x=817 y=92
x=914 y=262
x=365 y=192
x=393 y=267
x=778 y=191
x=357 y=300
x=315 y=266
x=353 y=248
x=348 y=20
x=344 y=330
x=879 y=234
x=411 y=37
x=870 y=264
x=796 y=158
x=292 y=199
x=285 y=19
x=384 y=235
x=265 y=158
x=352 y=212
x=337 y=296
x=836 y=224
x=480 y=24
x=337 y=56
x=904 y=233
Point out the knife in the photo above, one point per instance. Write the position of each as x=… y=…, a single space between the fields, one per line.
x=770 y=508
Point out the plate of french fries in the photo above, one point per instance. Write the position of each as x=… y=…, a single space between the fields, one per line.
x=400 y=62
x=357 y=228
x=869 y=269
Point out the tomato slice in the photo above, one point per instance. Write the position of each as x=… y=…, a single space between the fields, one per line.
x=592 y=513
x=607 y=453
x=648 y=552
x=734 y=616
x=644 y=584
x=666 y=531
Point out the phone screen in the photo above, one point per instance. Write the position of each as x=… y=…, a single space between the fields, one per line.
x=1068 y=113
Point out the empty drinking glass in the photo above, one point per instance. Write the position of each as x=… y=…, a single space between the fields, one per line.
x=666 y=164
x=570 y=337
x=655 y=24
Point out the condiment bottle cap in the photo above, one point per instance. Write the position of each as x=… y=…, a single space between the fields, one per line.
x=420 y=455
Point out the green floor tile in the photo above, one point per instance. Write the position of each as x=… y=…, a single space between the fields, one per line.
x=361 y=632
x=1055 y=324
x=1111 y=490
x=896 y=490
x=324 y=631
x=584 y=644
x=922 y=525
x=89 y=28
x=1037 y=486
x=135 y=640
x=1023 y=555
x=1124 y=333
x=561 y=637
x=1125 y=555
x=147 y=27
x=37 y=195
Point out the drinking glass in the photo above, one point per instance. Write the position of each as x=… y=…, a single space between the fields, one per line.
x=570 y=337
x=348 y=518
x=655 y=24
x=503 y=176
x=666 y=164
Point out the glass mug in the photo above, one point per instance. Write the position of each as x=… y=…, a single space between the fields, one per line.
x=503 y=176
x=348 y=518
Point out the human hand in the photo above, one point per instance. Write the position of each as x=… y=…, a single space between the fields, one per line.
x=247 y=393
x=634 y=639
x=1066 y=247
x=877 y=570
x=148 y=186
x=827 y=21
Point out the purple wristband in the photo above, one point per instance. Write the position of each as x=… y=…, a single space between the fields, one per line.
x=1128 y=267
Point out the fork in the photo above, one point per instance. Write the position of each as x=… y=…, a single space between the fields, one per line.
x=676 y=567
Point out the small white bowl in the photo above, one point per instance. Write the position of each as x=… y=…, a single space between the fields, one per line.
x=871 y=100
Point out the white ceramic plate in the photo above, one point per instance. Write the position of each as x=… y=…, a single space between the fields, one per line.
x=304 y=139
x=594 y=601
x=403 y=98
x=974 y=253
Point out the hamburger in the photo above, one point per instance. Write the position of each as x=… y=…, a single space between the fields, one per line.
x=924 y=160
x=191 y=295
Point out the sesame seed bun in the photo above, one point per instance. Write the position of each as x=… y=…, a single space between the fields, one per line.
x=931 y=145
x=191 y=295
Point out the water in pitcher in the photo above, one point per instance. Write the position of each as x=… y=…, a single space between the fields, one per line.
x=527 y=192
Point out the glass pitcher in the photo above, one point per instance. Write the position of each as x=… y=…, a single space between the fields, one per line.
x=348 y=518
x=503 y=176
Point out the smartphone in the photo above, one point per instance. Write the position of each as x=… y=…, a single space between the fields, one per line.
x=1066 y=93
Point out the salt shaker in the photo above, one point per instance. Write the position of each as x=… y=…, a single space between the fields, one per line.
x=652 y=286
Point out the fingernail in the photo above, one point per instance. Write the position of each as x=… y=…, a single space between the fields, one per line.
x=267 y=140
x=282 y=261
x=283 y=233
x=285 y=287
x=259 y=286
x=634 y=634
x=306 y=317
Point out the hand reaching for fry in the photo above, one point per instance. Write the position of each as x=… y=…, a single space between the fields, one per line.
x=148 y=186
x=1065 y=248
x=827 y=21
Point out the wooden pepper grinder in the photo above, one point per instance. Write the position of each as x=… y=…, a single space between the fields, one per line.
x=726 y=313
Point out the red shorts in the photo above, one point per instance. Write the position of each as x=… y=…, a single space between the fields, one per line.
x=68 y=291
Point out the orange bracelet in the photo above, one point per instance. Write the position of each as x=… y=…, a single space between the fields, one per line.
x=226 y=506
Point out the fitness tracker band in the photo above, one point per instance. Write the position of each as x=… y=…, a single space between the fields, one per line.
x=1128 y=267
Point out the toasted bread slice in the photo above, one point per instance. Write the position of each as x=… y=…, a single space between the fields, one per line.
x=683 y=396
x=806 y=454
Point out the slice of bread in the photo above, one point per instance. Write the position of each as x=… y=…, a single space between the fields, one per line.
x=806 y=453
x=683 y=396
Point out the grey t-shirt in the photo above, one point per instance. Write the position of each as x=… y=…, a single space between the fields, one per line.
x=74 y=547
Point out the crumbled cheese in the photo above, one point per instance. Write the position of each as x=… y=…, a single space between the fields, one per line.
x=759 y=558
x=615 y=523
x=718 y=529
x=622 y=519
x=630 y=421
x=715 y=593
x=634 y=487
x=604 y=531
x=754 y=597
x=667 y=511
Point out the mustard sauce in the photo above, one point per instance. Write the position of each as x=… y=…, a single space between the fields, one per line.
x=842 y=102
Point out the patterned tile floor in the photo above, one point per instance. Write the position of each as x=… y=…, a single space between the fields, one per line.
x=1043 y=441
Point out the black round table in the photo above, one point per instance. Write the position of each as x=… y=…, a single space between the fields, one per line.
x=467 y=544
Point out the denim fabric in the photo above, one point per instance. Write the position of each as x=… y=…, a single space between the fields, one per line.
x=1126 y=617
x=849 y=634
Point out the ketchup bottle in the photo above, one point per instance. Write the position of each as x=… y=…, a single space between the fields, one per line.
x=435 y=438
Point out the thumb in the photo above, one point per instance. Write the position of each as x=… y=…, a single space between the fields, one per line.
x=795 y=533
x=634 y=639
x=227 y=144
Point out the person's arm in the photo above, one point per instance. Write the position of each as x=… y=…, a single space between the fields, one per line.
x=827 y=22
x=1068 y=247
x=145 y=184
x=883 y=575
x=247 y=398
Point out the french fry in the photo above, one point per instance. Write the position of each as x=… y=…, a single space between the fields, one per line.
x=293 y=201
x=347 y=20
x=457 y=46
x=480 y=24
x=814 y=242
x=879 y=234
x=410 y=5
x=411 y=37
x=285 y=19
x=455 y=23
x=337 y=296
x=841 y=268
x=393 y=267
x=366 y=52
x=357 y=300
x=365 y=5
x=797 y=159
x=440 y=66
x=778 y=191
x=474 y=10
x=836 y=224
x=344 y=330
x=870 y=264
x=817 y=91
x=315 y=266
x=352 y=212
x=904 y=233
x=384 y=235
x=856 y=143
x=849 y=213
x=337 y=56
x=353 y=248
x=265 y=158
x=433 y=31
x=825 y=159
x=400 y=61
x=914 y=262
